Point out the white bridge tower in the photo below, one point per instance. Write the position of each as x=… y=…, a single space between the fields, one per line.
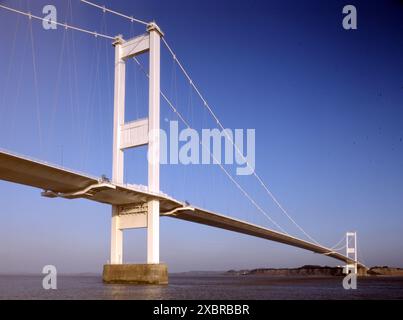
x=351 y=252
x=129 y=135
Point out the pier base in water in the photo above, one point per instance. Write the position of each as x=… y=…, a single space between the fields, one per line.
x=136 y=273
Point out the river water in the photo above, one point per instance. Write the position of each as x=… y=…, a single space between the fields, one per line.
x=215 y=286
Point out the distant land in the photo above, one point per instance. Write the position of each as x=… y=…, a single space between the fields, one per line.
x=314 y=270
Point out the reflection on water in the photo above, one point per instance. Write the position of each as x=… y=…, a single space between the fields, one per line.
x=120 y=291
x=204 y=287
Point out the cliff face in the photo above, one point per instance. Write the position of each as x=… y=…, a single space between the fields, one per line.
x=385 y=271
x=308 y=270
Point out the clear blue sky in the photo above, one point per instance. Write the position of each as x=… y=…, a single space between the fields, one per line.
x=326 y=103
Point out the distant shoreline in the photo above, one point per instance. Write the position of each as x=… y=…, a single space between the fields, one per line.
x=306 y=270
x=315 y=270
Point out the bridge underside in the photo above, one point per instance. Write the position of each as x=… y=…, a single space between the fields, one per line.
x=60 y=182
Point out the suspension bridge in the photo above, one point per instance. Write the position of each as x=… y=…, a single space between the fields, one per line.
x=135 y=206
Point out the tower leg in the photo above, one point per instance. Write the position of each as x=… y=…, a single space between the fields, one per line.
x=116 y=239
x=153 y=228
x=117 y=154
x=153 y=232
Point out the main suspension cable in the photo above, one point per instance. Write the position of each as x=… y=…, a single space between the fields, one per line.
x=64 y=25
x=105 y=9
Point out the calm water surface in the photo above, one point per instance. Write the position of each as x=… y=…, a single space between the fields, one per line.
x=204 y=287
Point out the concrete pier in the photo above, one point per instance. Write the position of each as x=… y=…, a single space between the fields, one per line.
x=136 y=273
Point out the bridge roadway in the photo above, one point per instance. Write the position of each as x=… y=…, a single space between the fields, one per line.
x=57 y=181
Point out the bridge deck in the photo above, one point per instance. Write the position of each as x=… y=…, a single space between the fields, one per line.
x=60 y=182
